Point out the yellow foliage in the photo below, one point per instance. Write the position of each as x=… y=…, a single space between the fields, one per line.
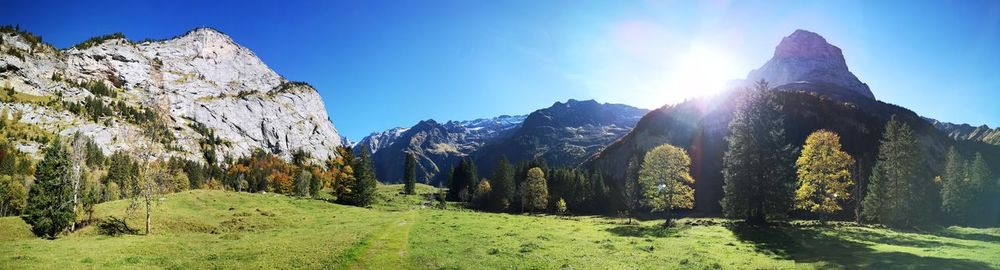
x=824 y=174
x=666 y=180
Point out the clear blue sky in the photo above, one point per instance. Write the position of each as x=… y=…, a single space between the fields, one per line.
x=382 y=64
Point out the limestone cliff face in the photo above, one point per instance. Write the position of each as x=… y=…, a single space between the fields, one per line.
x=201 y=78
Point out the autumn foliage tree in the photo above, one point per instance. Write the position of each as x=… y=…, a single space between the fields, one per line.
x=824 y=174
x=534 y=191
x=665 y=180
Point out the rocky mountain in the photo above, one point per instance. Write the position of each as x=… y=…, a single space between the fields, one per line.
x=813 y=95
x=805 y=60
x=199 y=95
x=437 y=146
x=966 y=132
x=564 y=134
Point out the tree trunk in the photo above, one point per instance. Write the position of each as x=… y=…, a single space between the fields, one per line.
x=147 y=215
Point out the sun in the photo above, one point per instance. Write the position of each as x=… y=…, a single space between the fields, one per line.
x=703 y=70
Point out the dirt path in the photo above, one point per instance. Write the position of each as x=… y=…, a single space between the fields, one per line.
x=388 y=248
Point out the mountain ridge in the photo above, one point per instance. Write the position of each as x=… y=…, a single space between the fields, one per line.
x=201 y=85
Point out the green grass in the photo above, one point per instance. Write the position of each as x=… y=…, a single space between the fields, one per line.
x=214 y=229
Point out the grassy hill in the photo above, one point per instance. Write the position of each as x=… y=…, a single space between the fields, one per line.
x=216 y=229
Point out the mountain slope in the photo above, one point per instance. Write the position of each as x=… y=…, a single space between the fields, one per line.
x=437 y=146
x=201 y=95
x=700 y=127
x=564 y=134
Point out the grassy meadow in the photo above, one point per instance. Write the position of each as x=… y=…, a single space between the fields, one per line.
x=207 y=229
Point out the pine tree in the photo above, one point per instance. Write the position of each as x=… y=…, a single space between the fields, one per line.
x=363 y=190
x=49 y=209
x=955 y=195
x=897 y=190
x=463 y=181
x=665 y=180
x=503 y=186
x=410 y=172
x=758 y=166
x=824 y=174
x=982 y=185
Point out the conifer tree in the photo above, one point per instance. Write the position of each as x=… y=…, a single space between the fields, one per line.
x=897 y=191
x=631 y=191
x=410 y=173
x=955 y=195
x=502 y=183
x=758 y=167
x=49 y=209
x=363 y=190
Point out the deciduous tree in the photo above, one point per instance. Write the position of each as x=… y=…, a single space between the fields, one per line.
x=665 y=180
x=824 y=174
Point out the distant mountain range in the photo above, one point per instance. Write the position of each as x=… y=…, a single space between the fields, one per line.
x=817 y=91
x=966 y=132
x=437 y=146
x=564 y=134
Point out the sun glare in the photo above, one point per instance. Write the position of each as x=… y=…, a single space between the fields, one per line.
x=702 y=71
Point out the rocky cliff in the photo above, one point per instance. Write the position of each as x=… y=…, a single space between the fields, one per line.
x=805 y=60
x=199 y=92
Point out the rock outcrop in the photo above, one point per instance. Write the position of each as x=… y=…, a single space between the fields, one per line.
x=806 y=61
x=200 y=85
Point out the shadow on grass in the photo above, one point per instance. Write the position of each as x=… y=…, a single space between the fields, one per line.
x=810 y=246
x=646 y=231
x=898 y=240
x=968 y=236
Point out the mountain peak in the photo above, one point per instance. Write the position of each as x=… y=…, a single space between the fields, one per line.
x=806 y=44
x=806 y=57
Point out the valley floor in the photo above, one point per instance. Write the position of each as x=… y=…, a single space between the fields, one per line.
x=215 y=229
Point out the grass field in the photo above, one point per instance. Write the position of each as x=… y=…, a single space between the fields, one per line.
x=214 y=229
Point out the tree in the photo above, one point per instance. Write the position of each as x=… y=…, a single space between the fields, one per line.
x=49 y=209
x=463 y=180
x=315 y=185
x=482 y=195
x=955 y=197
x=824 y=174
x=365 y=185
x=502 y=195
x=13 y=195
x=758 y=167
x=631 y=192
x=897 y=188
x=303 y=183
x=146 y=188
x=665 y=180
x=410 y=172
x=982 y=185
x=534 y=192
x=561 y=207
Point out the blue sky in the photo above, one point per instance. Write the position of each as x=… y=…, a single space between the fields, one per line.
x=382 y=64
